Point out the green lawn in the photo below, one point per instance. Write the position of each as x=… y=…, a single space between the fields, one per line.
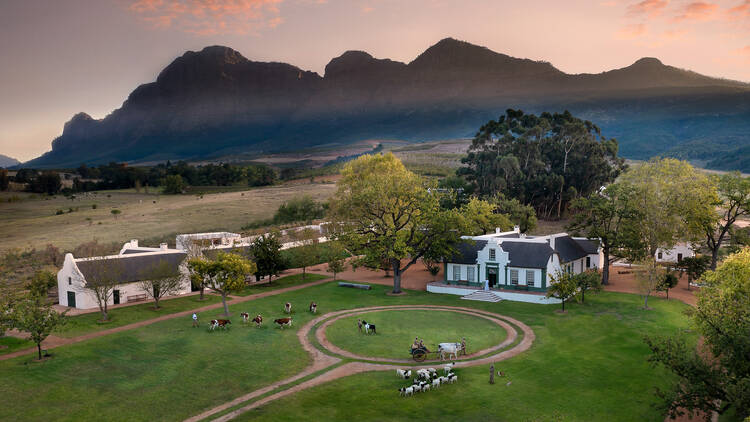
x=589 y=364
x=395 y=335
x=280 y=283
x=12 y=344
x=88 y=323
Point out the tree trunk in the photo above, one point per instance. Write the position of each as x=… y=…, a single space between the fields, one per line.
x=202 y=289
x=645 y=303
x=605 y=270
x=304 y=269
x=714 y=256
x=583 y=296
x=396 y=276
x=39 y=350
x=224 y=301
x=156 y=302
x=667 y=294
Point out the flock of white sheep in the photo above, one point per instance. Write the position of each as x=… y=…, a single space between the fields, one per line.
x=426 y=379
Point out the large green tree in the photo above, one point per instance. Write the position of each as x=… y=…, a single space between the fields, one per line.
x=717 y=378
x=734 y=202
x=266 y=251
x=385 y=212
x=606 y=215
x=224 y=274
x=544 y=160
x=674 y=202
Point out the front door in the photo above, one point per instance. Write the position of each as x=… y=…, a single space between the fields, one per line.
x=72 y=299
x=492 y=276
x=679 y=257
x=116 y=296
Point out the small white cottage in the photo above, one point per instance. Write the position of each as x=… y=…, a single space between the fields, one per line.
x=676 y=253
x=515 y=266
x=130 y=266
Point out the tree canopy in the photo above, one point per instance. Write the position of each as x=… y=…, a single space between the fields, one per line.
x=385 y=212
x=544 y=160
x=224 y=274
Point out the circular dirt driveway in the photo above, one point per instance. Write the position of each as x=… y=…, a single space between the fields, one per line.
x=487 y=326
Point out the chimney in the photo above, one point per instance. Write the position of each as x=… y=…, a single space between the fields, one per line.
x=134 y=243
x=516 y=229
x=163 y=246
x=497 y=230
x=552 y=242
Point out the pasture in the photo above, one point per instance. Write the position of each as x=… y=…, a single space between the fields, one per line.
x=32 y=220
x=396 y=331
x=587 y=364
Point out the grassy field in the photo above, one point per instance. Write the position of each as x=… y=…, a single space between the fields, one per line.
x=11 y=344
x=88 y=323
x=280 y=283
x=588 y=364
x=31 y=221
x=394 y=336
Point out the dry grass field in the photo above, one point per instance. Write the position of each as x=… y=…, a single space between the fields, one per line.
x=32 y=220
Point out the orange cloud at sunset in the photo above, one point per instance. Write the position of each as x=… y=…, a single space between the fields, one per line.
x=209 y=17
x=648 y=7
x=698 y=11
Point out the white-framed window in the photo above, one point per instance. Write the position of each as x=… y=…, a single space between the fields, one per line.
x=470 y=273
x=492 y=254
x=514 y=277
x=530 y=278
x=456 y=272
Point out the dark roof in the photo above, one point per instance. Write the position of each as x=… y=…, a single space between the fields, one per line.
x=466 y=252
x=527 y=254
x=590 y=246
x=568 y=249
x=129 y=268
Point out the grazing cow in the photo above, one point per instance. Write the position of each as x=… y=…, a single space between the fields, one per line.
x=369 y=327
x=258 y=320
x=223 y=323
x=313 y=307
x=283 y=321
x=245 y=317
x=417 y=387
x=433 y=372
x=406 y=391
x=436 y=383
x=213 y=324
x=403 y=374
x=288 y=308
x=425 y=387
x=447 y=368
x=423 y=374
x=451 y=349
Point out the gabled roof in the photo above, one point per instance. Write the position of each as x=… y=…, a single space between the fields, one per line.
x=568 y=249
x=466 y=252
x=527 y=254
x=128 y=268
x=590 y=246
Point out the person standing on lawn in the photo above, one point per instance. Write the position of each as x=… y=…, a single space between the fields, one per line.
x=195 y=320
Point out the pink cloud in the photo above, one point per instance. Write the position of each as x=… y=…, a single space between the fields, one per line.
x=648 y=7
x=209 y=17
x=632 y=31
x=697 y=11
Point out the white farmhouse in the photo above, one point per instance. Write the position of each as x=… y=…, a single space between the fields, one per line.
x=515 y=266
x=676 y=253
x=130 y=266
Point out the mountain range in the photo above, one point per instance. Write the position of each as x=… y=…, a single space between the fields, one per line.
x=6 y=161
x=216 y=103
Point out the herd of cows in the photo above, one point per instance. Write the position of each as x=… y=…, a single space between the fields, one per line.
x=258 y=320
x=426 y=379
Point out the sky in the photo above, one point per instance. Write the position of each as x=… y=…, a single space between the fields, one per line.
x=58 y=58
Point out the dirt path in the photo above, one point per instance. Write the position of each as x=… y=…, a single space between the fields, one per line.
x=621 y=279
x=322 y=360
x=54 y=341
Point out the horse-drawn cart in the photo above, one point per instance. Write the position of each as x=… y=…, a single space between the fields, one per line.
x=420 y=354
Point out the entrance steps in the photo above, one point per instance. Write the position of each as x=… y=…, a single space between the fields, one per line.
x=482 y=296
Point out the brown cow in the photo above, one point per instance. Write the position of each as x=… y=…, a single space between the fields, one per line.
x=283 y=321
x=245 y=317
x=223 y=323
x=258 y=320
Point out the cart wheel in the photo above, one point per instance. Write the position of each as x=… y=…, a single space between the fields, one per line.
x=419 y=356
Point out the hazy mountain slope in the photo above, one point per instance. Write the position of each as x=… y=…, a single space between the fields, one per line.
x=6 y=161
x=215 y=102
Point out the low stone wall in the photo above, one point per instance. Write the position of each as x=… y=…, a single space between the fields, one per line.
x=505 y=295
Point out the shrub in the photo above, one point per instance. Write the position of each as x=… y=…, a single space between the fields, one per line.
x=59 y=212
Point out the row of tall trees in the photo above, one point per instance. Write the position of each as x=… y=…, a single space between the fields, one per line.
x=657 y=204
